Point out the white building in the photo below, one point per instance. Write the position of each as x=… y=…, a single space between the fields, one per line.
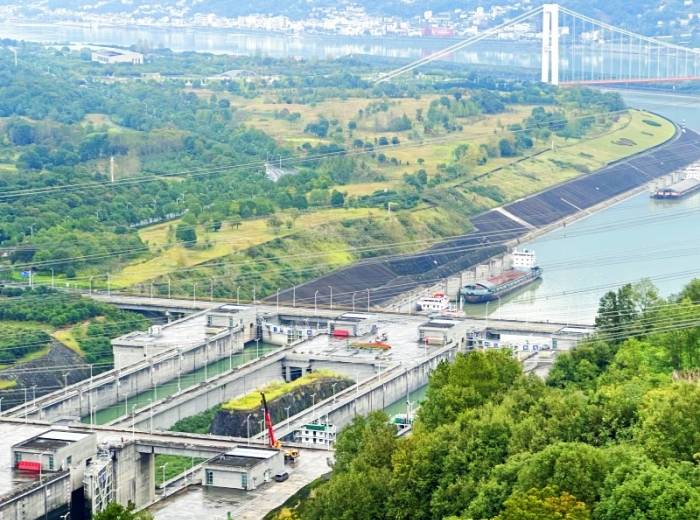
x=243 y=468
x=111 y=56
x=317 y=434
x=56 y=450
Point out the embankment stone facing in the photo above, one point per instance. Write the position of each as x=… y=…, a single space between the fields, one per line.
x=384 y=278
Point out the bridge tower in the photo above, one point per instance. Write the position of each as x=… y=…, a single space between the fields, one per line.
x=550 y=44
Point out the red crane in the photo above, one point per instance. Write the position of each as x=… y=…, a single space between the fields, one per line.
x=274 y=443
x=290 y=455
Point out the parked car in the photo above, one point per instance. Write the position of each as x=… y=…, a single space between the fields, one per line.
x=281 y=477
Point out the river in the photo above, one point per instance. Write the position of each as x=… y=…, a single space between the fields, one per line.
x=638 y=238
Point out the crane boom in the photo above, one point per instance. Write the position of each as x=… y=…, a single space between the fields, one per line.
x=268 y=422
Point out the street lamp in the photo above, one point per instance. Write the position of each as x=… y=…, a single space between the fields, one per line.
x=194 y=294
x=353 y=301
x=169 y=284
x=247 y=427
x=163 y=468
x=211 y=289
x=333 y=387
x=331 y=301
x=34 y=396
x=287 y=408
x=65 y=382
x=368 y=299
x=257 y=348
x=315 y=305
x=91 y=284
x=109 y=283
x=278 y=300
x=313 y=405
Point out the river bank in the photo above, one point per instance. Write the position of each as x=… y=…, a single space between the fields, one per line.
x=383 y=280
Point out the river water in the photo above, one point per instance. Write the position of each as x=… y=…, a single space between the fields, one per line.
x=638 y=238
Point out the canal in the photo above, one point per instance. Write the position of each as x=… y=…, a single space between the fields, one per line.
x=188 y=380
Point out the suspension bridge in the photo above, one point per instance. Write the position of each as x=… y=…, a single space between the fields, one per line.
x=569 y=48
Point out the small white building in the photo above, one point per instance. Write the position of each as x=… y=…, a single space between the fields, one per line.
x=443 y=331
x=317 y=434
x=110 y=56
x=243 y=468
x=56 y=450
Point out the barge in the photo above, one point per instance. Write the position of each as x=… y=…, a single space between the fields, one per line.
x=678 y=190
x=524 y=272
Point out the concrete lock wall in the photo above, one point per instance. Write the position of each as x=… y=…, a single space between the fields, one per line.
x=113 y=386
x=134 y=475
x=53 y=496
x=231 y=386
x=384 y=393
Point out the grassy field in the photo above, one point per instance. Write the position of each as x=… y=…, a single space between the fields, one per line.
x=228 y=240
x=6 y=384
x=70 y=336
x=172 y=465
x=330 y=248
x=628 y=136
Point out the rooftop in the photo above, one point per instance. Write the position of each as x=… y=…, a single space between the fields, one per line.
x=440 y=324
x=189 y=331
x=51 y=440
x=243 y=457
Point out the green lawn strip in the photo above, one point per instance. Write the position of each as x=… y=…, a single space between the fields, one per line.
x=174 y=465
x=274 y=390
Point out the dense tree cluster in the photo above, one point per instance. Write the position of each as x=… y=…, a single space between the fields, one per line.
x=613 y=433
x=59 y=309
x=17 y=341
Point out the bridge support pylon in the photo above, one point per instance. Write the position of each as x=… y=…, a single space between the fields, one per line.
x=550 y=44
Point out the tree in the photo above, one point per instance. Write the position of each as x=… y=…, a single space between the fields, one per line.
x=186 y=234
x=21 y=134
x=544 y=504
x=470 y=381
x=691 y=291
x=506 y=148
x=669 y=427
x=274 y=223
x=114 y=511
x=648 y=492
x=617 y=311
x=337 y=199
x=577 y=468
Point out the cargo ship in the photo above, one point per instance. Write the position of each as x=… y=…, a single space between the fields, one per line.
x=524 y=272
x=678 y=190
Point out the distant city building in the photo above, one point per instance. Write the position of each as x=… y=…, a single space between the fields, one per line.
x=111 y=56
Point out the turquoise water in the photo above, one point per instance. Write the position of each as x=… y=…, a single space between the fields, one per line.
x=638 y=238
x=416 y=397
x=186 y=381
